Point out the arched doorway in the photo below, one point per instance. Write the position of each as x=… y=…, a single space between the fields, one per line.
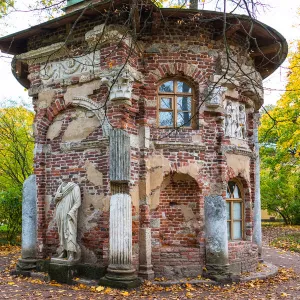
x=177 y=252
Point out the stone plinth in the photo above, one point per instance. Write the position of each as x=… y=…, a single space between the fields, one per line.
x=216 y=238
x=62 y=271
x=145 y=266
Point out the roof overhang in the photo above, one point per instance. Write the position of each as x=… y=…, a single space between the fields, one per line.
x=267 y=47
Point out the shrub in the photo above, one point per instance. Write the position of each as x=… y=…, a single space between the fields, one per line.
x=11 y=212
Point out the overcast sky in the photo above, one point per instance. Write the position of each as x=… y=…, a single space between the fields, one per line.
x=282 y=16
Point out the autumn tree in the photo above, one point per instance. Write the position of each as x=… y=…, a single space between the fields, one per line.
x=280 y=150
x=16 y=146
x=5 y=5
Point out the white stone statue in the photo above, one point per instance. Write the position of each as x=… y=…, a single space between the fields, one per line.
x=228 y=119
x=242 y=122
x=68 y=200
x=235 y=120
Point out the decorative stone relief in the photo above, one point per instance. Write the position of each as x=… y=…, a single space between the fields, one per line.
x=235 y=120
x=120 y=81
x=120 y=86
x=86 y=67
x=214 y=96
x=103 y=33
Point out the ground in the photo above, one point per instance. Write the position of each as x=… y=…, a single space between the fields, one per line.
x=285 y=285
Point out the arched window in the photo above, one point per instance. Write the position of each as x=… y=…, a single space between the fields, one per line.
x=235 y=211
x=175 y=104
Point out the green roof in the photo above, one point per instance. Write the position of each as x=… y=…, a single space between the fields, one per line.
x=72 y=2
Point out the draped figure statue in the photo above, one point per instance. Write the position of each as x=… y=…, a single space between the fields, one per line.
x=68 y=200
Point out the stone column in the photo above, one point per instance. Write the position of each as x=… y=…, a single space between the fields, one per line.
x=29 y=212
x=146 y=268
x=145 y=247
x=257 y=236
x=120 y=272
x=216 y=238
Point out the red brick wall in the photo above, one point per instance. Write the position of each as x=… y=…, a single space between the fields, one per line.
x=245 y=253
x=155 y=66
x=180 y=213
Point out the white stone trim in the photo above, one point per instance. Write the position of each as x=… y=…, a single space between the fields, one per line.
x=179 y=146
x=72 y=146
x=237 y=150
x=43 y=54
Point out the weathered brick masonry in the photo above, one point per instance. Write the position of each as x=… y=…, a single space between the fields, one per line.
x=172 y=170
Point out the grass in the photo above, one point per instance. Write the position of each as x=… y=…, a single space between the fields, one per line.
x=273 y=224
x=289 y=242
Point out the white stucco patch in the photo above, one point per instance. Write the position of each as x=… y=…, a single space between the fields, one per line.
x=54 y=130
x=79 y=129
x=239 y=164
x=93 y=175
x=45 y=98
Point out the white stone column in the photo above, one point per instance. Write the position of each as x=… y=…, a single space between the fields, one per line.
x=216 y=238
x=257 y=236
x=120 y=224
x=120 y=272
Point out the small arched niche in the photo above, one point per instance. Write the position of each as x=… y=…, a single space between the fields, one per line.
x=179 y=211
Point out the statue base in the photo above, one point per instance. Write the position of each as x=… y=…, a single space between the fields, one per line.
x=62 y=270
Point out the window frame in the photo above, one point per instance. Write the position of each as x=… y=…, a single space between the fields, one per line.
x=173 y=95
x=231 y=220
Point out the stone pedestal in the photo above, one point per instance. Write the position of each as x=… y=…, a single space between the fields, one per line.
x=216 y=239
x=145 y=266
x=120 y=272
x=62 y=271
x=29 y=212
